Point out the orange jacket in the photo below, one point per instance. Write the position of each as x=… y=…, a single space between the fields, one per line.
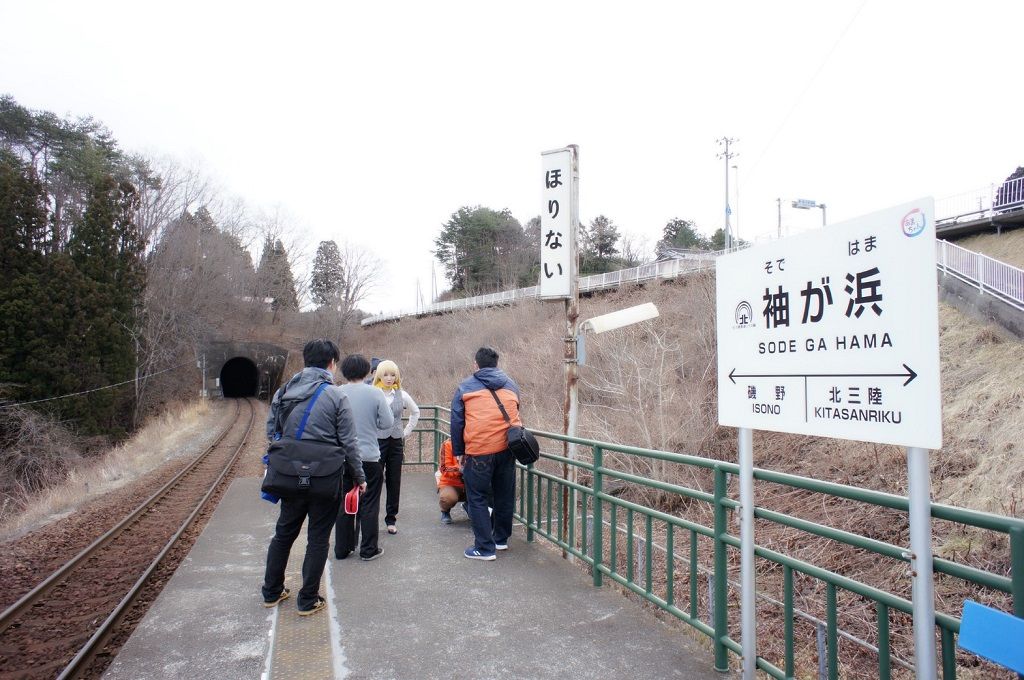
x=477 y=425
x=448 y=467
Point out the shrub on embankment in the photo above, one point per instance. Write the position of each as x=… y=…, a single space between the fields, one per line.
x=42 y=475
x=35 y=453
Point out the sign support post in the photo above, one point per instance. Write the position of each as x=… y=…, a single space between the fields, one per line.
x=923 y=586
x=572 y=311
x=559 y=281
x=748 y=604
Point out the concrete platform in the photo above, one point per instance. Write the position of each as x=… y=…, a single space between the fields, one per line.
x=420 y=611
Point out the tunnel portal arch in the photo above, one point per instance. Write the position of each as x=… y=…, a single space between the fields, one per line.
x=239 y=377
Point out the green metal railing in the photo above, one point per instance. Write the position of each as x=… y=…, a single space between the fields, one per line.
x=541 y=507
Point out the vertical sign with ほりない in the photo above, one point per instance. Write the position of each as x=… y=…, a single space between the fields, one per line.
x=557 y=233
x=835 y=333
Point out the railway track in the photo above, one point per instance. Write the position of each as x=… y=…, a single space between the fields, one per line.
x=60 y=626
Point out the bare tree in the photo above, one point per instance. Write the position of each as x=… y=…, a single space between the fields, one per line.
x=179 y=188
x=635 y=250
x=360 y=272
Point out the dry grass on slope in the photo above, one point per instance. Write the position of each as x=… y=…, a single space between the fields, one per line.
x=1007 y=247
x=634 y=388
x=981 y=465
x=653 y=386
x=179 y=431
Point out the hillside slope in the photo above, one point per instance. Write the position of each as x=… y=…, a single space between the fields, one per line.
x=1007 y=247
x=653 y=386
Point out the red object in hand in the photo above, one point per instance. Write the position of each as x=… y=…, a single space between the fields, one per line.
x=352 y=501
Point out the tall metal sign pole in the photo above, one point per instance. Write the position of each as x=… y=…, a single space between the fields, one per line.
x=835 y=333
x=559 y=226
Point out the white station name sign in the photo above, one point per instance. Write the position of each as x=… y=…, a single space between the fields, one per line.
x=557 y=245
x=835 y=333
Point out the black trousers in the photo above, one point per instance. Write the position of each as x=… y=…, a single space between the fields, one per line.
x=289 y=523
x=367 y=522
x=392 y=456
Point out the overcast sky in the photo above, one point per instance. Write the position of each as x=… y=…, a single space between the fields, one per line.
x=372 y=123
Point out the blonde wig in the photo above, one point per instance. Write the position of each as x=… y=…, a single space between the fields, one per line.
x=384 y=368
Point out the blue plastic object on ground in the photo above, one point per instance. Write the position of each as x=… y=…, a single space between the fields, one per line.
x=992 y=634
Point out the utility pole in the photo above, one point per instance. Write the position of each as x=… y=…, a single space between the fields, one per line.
x=201 y=364
x=727 y=155
x=737 y=169
x=433 y=283
x=779 y=202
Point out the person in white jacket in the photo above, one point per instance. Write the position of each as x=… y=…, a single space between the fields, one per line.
x=392 y=441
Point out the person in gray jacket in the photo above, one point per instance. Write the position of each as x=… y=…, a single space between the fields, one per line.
x=330 y=420
x=371 y=413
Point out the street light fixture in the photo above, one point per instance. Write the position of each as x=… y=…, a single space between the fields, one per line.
x=613 y=321
x=620 y=318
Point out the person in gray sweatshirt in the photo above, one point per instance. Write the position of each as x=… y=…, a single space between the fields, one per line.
x=370 y=413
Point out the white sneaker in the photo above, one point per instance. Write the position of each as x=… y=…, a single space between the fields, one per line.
x=501 y=546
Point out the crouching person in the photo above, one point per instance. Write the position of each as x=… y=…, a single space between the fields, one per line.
x=450 y=487
x=310 y=409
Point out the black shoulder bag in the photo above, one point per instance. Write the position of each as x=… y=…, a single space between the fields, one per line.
x=521 y=441
x=299 y=468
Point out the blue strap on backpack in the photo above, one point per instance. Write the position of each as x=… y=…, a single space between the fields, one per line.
x=309 y=407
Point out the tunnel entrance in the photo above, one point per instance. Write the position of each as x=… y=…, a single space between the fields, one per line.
x=239 y=378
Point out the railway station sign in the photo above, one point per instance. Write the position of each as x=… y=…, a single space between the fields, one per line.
x=557 y=234
x=835 y=333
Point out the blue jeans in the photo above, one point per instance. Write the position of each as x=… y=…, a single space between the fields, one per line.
x=493 y=472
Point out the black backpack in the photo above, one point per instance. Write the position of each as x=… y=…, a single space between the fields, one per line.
x=303 y=469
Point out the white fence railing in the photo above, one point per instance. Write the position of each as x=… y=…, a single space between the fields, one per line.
x=990 y=276
x=981 y=203
x=684 y=263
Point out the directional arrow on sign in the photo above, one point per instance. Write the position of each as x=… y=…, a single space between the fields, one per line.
x=909 y=375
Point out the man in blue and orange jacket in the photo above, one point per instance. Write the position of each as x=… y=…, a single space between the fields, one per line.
x=480 y=444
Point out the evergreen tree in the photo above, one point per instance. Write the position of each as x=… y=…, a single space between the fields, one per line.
x=598 y=246
x=328 y=278
x=22 y=227
x=682 y=234
x=274 y=277
x=22 y=216
x=717 y=240
x=106 y=250
x=483 y=249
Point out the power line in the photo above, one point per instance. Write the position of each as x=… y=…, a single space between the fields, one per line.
x=95 y=389
x=806 y=89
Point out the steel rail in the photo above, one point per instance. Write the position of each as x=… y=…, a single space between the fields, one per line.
x=27 y=600
x=88 y=651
